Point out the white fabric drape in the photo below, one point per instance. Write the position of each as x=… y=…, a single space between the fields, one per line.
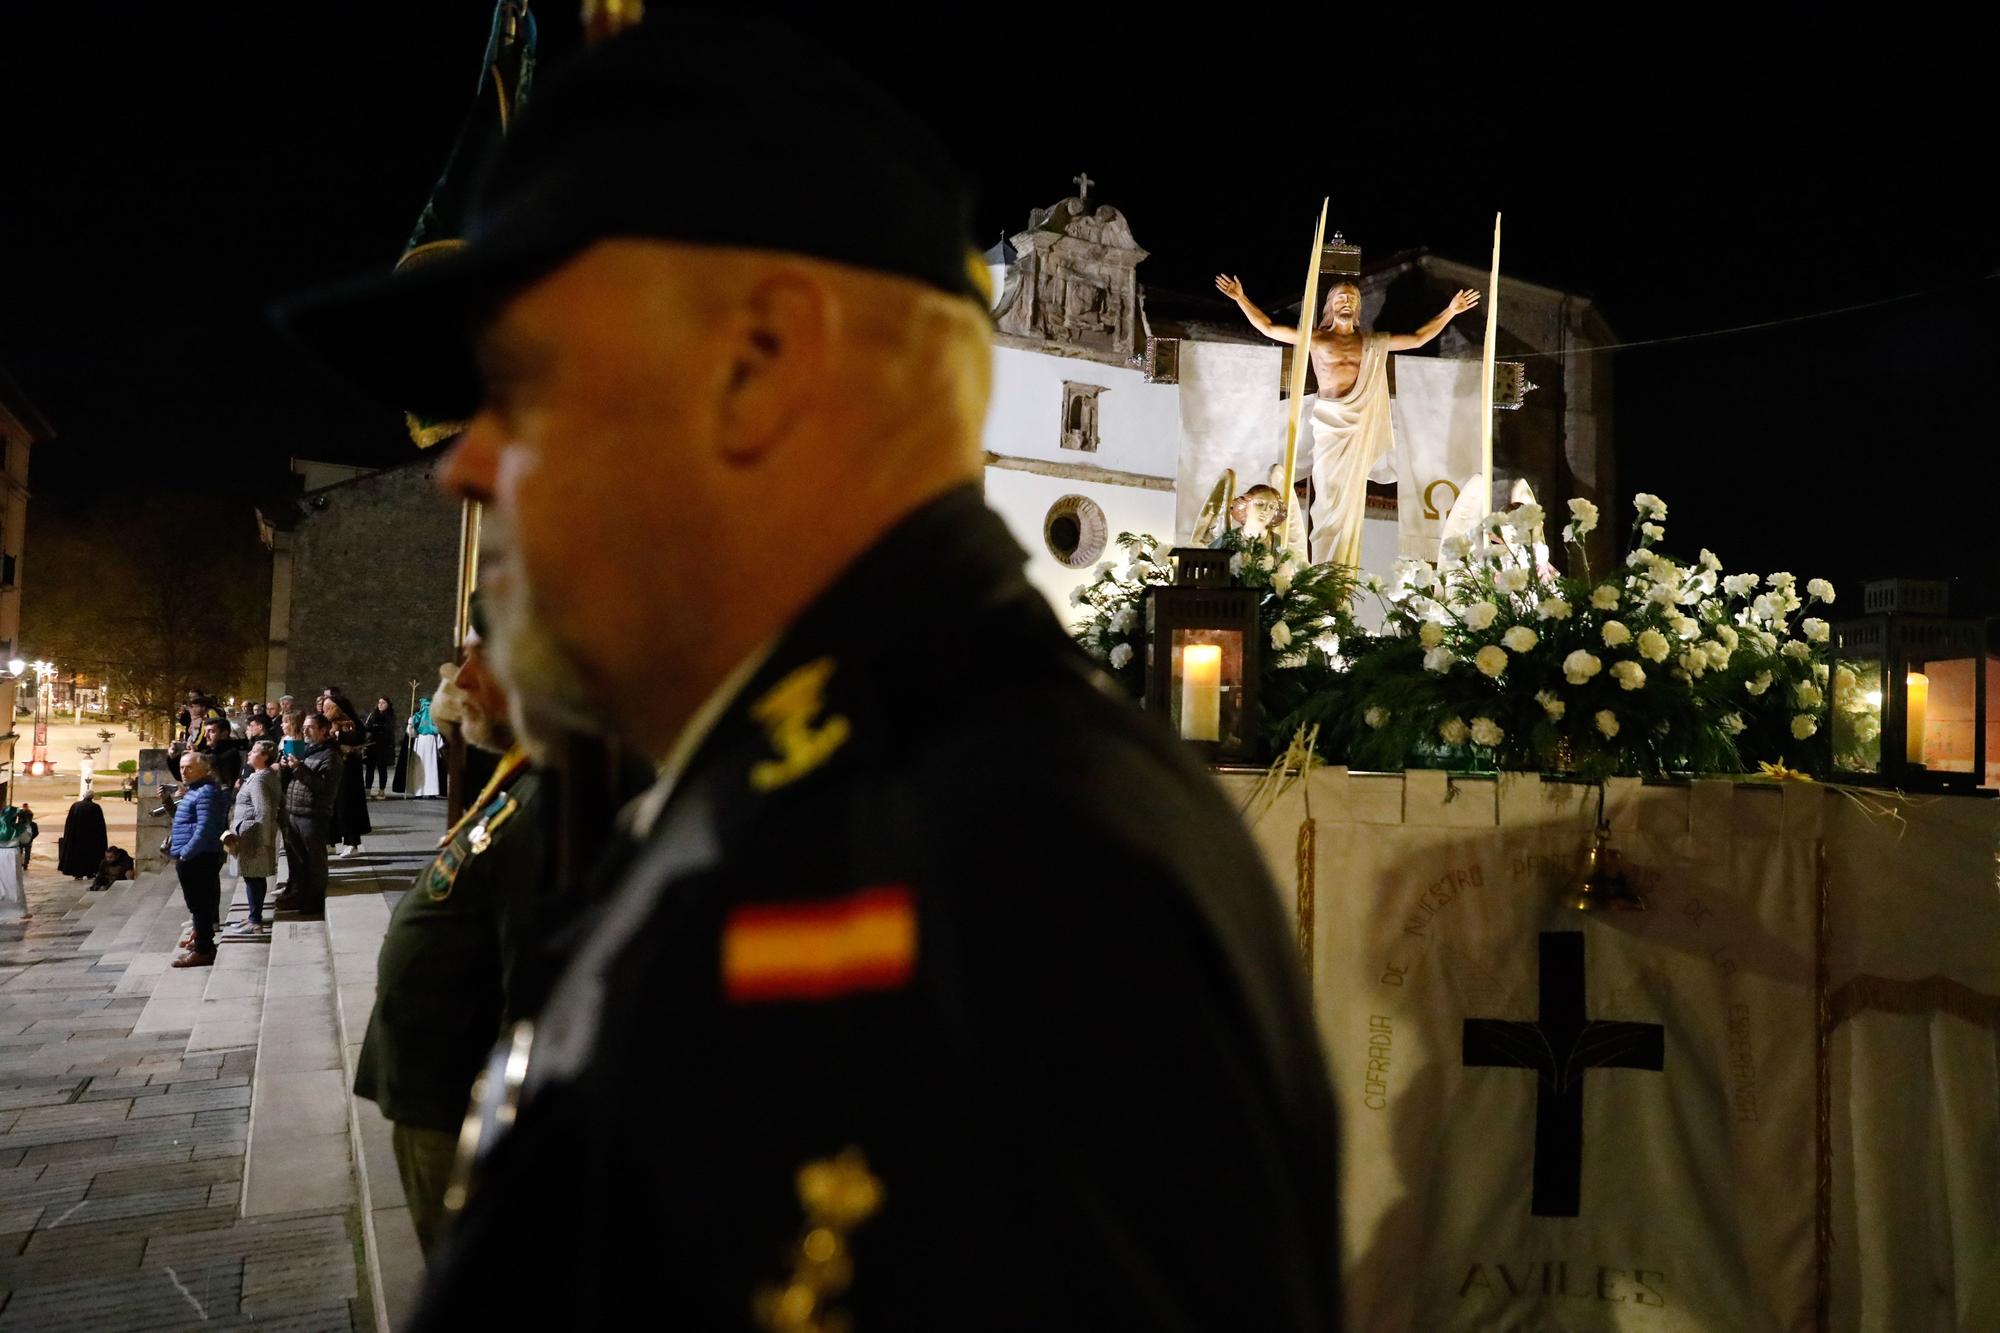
x=1436 y=418
x=1231 y=417
x=1697 y=1205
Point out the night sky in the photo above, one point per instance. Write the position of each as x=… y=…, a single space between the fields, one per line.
x=171 y=169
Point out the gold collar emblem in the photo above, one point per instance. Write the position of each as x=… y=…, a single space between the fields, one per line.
x=838 y=1194
x=788 y=714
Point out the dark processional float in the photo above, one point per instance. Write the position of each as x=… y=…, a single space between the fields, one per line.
x=1649 y=906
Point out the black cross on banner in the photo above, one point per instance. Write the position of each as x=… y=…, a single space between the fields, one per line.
x=1559 y=1046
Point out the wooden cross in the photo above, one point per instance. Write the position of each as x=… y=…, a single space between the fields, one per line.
x=1083 y=184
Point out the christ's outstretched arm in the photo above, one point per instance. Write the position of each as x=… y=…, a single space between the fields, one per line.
x=1233 y=289
x=1458 y=305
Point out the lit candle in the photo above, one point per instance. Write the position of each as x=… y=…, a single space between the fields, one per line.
x=1919 y=696
x=1201 y=692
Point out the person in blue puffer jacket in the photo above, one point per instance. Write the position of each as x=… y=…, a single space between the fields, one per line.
x=196 y=846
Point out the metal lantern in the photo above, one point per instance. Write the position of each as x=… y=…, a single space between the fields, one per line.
x=1204 y=646
x=1909 y=692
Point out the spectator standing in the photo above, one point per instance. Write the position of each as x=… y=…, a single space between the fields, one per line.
x=312 y=781
x=253 y=835
x=225 y=752
x=350 y=807
x=34 y=831
x=196 y=848
x=381 y=730
x=293 y=744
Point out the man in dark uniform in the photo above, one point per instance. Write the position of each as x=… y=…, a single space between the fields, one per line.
x=462 y=959
x=940 y=990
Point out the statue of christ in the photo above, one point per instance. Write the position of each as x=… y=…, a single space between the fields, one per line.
x=1350 y=420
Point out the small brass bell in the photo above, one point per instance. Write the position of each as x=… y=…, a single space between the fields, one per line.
x=1601 y=885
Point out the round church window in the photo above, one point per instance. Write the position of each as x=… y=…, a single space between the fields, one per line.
x=1075 y=531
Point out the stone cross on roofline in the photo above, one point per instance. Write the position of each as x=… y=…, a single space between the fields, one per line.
x=1083 y=184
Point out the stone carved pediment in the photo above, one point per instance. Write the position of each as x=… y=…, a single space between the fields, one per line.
x=1075 y=281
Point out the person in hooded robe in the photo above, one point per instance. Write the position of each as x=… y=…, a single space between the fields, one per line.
x=81 y=851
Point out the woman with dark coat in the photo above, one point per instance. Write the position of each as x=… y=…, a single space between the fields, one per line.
x=350 y=806
x=83 y=844
x=382 y=738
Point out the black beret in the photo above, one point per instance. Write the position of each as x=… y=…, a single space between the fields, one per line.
x=706 y=130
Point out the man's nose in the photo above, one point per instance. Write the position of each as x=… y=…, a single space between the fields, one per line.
x=469 y=464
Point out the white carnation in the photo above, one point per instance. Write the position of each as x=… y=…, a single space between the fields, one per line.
x=1236 y=564
x=1454 y=547
x=1076 y=597
x=1281 y=635
x=1758 y=684
x=1521 y=639
x=1485 y=731
x=1716 y=652
x=1553 y=608
x=1438 y=660
x=1816 y=629
x=1797 y=649
x=1804 y=725
x=1727 y=637
x=1653 y=645
x=1454 y=732
x=1551 y=705
x=1605 y=598
x=1652 y=506
x=1377 y=718
x=1820 y=590
x=1511 y=579
x=1629 y=675
x=1282 y=580
x=1491 y=660
x=1808 y=695
x=1580 y=666
x=1430 y=634
x=1121 y=657
x=1583 y=515
x=1480 y=615
x=1693 y=664
x=1710 y=561
x=1733 y=723
x=1781 y=580
x=1615 y=634
x=1607 y=722
x=1652 y=532
x=1739 y=585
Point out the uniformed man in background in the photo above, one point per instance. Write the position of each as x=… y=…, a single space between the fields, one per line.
x=466 y=951
x=942 y=989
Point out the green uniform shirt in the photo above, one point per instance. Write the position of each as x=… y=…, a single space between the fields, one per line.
x=461 y=959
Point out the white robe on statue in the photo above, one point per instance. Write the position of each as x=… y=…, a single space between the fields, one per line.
x=1351 y=439
x=427 y=750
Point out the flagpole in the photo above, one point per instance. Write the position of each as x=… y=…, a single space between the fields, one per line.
x=1301 y=355
x=1486 y=378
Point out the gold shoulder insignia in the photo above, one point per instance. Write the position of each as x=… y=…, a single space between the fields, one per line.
x=787 y=713
x=838 y=1194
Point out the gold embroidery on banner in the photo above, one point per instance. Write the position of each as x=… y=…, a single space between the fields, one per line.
x=1431 y=509
x=838 y=1194
x=788 y=714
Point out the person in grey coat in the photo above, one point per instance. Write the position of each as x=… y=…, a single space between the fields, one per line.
x=253 y=835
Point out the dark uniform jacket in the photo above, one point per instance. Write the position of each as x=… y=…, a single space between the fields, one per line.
x=462 y=957
x=942 y=954
x=310 y=788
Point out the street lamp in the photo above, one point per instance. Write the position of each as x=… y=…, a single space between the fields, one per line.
x=15 y=666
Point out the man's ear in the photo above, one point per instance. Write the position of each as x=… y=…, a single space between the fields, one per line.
x=783 y=339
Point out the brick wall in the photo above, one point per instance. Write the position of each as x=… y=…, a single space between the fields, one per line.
x=374 y=587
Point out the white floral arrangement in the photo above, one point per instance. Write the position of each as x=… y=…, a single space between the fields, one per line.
x=1491 y=659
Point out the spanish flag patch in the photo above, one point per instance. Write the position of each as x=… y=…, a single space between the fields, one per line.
x=866 y=941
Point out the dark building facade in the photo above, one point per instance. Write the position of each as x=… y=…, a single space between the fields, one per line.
x=364 y=582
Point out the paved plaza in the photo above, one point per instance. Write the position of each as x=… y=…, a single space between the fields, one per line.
x=178 y=1148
